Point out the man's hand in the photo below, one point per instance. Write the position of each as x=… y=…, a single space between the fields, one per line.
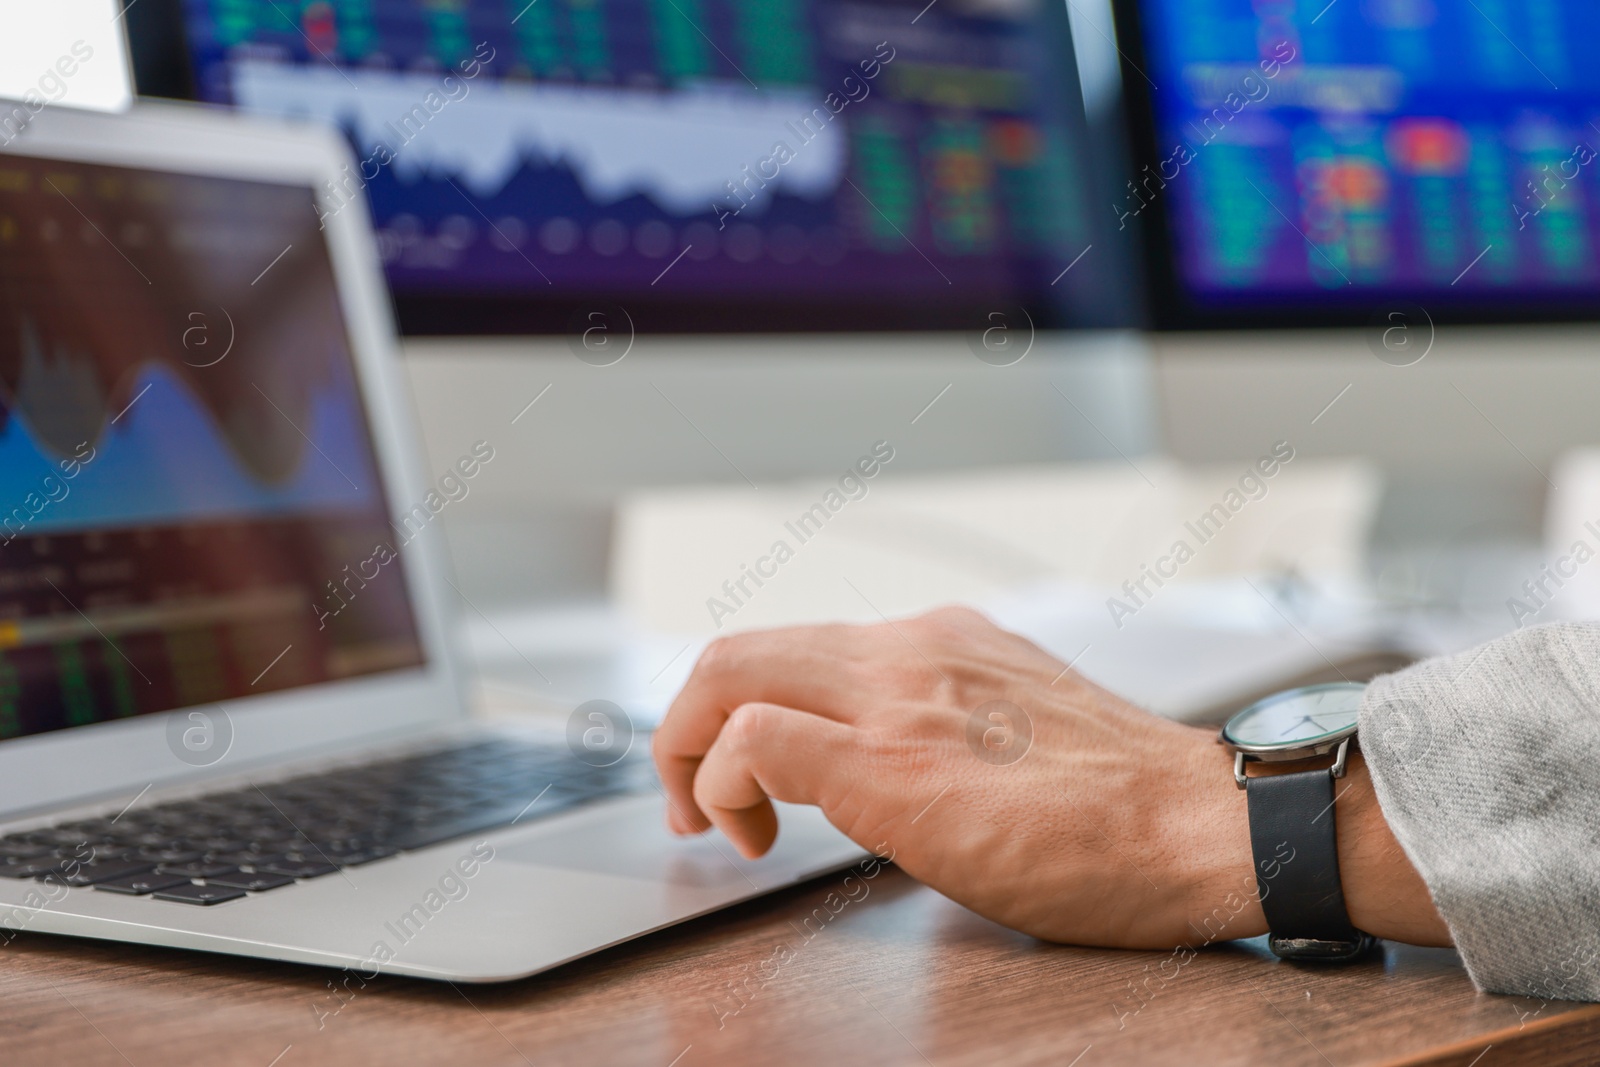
x=1114 y=827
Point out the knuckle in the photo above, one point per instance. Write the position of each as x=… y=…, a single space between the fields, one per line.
x=661 y=748
x=925 y=721
x=745 y=726
x=956 y=613
x=720 y=655
x=877 y=746
x=952 y=621
x=704 y=791
x=893 y=754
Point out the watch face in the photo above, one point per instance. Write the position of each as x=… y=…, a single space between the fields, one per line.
x=1299 y=718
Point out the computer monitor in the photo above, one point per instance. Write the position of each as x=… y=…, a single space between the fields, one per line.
x=1333 y=163
x=706 y=165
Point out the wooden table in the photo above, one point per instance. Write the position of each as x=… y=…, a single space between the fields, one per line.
x=901 y=977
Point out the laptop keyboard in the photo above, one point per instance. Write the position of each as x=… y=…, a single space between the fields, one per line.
x=224 y=846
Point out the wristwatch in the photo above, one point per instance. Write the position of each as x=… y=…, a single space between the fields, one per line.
x=1292 y=816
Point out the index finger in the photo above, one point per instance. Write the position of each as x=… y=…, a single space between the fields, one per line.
x=806 y=668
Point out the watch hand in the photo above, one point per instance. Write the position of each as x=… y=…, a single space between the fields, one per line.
x=1295 y=726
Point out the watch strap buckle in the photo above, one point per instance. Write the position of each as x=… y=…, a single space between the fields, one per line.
x=1341 y=760
x=1321 y=951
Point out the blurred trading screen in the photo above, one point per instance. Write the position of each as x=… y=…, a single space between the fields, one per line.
x=1305 y=153
x=740 y=163
x=190 y=487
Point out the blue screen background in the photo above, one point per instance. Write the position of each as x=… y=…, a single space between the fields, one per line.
x=1444 y=148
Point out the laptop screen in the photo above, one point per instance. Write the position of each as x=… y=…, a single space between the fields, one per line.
x=190 y=503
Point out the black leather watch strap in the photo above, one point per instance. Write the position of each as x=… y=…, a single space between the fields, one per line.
x=1297 y=866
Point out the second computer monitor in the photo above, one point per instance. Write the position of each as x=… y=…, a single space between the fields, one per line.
x=1379 y=162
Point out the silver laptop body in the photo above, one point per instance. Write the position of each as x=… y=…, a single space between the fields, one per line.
x=196 y=600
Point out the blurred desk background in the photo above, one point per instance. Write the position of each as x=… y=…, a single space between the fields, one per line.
x=1467 y=445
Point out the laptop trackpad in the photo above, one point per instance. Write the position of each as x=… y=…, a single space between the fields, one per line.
x=634 y=845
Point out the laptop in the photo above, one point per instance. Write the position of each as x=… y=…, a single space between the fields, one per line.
x=231 y=715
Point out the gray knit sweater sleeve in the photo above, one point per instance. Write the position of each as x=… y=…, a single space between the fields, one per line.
x=1487 y=767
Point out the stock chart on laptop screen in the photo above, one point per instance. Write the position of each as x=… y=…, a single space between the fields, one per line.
x=710 y=164
x=190 y=505
x=1302 y=157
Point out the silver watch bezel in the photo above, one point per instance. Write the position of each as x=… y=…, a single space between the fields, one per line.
x=1335 y=741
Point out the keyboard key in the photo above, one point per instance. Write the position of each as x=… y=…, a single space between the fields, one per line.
x=198 y=894
x=12 y=853
x=30 y=868
x=217 y=844
x=298 y=870
x=429 y=833
x=102 y=851
x=168 y=855
x=244 y=859
x=309 y=853
x=140 y=884
x=84 y=874
x=360 y=856
x=255 y=883
x=276 y=845
x=59 y=837
x=197 y=869
x=344 y=837
x=151 y=840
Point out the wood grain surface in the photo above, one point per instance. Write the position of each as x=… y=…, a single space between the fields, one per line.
x=902 y=976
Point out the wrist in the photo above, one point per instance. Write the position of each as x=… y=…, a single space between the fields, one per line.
x=1384 y=894
x=1222 y=903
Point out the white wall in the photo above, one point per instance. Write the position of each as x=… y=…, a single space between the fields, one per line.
x=1467 y=436
x=717 y=411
